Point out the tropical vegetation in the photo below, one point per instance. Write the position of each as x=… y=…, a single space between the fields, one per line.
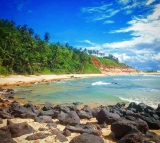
x=22 y=51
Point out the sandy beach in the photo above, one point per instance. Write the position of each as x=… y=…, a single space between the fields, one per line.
x=21 y=80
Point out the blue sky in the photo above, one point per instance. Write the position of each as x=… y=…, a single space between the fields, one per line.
x=128 y=29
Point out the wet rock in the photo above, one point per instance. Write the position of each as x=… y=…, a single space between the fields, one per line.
x=107 y=117
x=5 y=137
x=132 y=137
x=70 y=118
x=87 y=138
x=120 y=105
x=47 y=106
x=37 y=136
x=43 y=119
x=59 y=135
x=17 y=129
x=80 y=128
x=7 y=91
x=133 y=107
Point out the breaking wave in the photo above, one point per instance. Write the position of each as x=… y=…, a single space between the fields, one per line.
x=100 y=83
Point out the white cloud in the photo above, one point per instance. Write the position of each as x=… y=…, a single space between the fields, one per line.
x=124 y=1
x=149 y=2
x=108 y=22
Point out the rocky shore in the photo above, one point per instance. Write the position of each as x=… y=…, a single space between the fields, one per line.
x=61 y=123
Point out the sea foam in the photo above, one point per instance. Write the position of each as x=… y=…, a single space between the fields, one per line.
x=100 y=83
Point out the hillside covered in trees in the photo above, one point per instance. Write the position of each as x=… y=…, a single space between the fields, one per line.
x=24 y=52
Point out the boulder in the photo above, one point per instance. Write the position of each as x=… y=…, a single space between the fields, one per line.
x=152 y=123
x=120 y=105
x=17 y=129
x=5 y=115
x=132 y=137
x=37 y=136
x=65 y=109
x=51 y=125
x=43 y=119
x=80 y=128
x=59 y=135
x=150 y=137
x=47 y=106
x=5 y=137
x=107 y=117
x=32 y=108
x=123 y=126
x=70 y=118
x=87 y=138
x=51 y=113
x=66 y=133
x=85 y=113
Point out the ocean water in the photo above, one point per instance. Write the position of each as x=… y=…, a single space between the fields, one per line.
x=100 y=90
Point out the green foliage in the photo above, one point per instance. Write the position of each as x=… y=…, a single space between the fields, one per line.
x=23 y=52
x=110 y=62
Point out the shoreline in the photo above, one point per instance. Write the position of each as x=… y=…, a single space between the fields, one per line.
x=21 y=80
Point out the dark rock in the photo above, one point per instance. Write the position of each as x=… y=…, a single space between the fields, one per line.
x=20 y=111
x=66 y=133
x=17 y=129
x=80 y=128
x=132 y=105
x=52 y=125
x=43 y=119
x=32 y=108
x=10 y=97
x=107 y=117
x=70 y=118
x=95 y=111
x=123 y=126
x=76 y=103
x=132 y=137
x=151 y=137
x=51 y=113
x=5 y=137
x=85 y=113
x=103 y=125
x=152 y=123
x=5 y=115
x=120 y=105
x=47 y=106
x=65 y=109
x=37 y=136
x=1 y=121
x=59 y=135
x=87 y=138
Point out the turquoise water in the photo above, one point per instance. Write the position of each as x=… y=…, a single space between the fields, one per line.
x=100 y=90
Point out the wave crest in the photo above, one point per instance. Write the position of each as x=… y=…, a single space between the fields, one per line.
x=100 y=83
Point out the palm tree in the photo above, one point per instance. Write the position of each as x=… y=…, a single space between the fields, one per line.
x=46 y=37
x=37 y=37
x=31 y=31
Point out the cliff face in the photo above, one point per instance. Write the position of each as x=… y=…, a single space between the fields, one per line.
x=107 y=69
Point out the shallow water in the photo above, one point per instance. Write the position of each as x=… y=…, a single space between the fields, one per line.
x=100 y=90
